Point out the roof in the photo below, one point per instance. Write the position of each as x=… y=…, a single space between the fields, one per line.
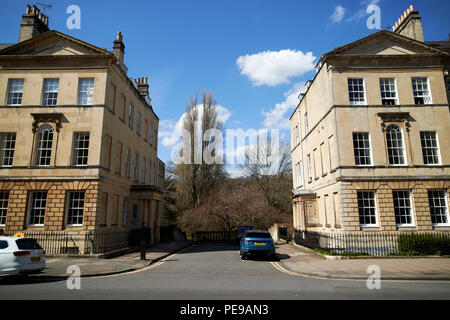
x=5 y=45
x=441 y=45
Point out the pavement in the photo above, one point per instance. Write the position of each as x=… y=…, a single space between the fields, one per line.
x=91 y=267
x=305 y=262
x=293 y=259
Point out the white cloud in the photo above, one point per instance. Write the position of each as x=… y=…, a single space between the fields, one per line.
x=272 y=68
x=361 y=13
x=170 y=132
x=278 y=117
x=338 y=14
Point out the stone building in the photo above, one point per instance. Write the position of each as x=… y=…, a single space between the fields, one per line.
x=369 y=138
x=78 y=138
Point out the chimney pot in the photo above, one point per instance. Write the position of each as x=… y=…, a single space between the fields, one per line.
x=33 y=23
x=28 y=9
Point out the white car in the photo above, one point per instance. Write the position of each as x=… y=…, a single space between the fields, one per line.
x=20 y=256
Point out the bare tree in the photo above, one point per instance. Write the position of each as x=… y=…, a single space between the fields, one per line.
x=268 y=164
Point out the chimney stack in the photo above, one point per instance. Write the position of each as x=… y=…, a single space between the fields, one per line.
x=143 y=86
x=410 y=24
x=119 y=49
x=34 y=22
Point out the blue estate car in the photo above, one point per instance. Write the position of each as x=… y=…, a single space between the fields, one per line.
x=257 y=242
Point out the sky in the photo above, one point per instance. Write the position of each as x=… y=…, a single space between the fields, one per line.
x=254 y=55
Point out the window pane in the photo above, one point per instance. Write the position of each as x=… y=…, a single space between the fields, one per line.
x=4 y=196
x=37 y=208
x=430 y=149
x=356 y=91
x=438 y=206
x=394 y=140
x=421 y=91
x=402 y=207
x=15 y=91
x=7 y=146
x=85 y=91
x=44 y=145
x=81 y=149
x=367 y=208
x=75 y=208
x=50 y=92
x=361 y=147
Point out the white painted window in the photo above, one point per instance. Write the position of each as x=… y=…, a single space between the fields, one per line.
x=395 y=145
x=138 y=123
x=50 y=92
x=44 y=144
x=367 y=209
x=362 y=149
x=438 y=207
x=127 y=163
x=4 y=197
x=130 y=116
x=403 y=208
x=356 y=91
x=421 y=90
x=80 y=149
x=306 y=123
x=85 y=91
x=430 y=147
x=38 y=202
x=15 y=92
x=75 y=208
x=7 y=146
x=388 y=90
x=309 y=167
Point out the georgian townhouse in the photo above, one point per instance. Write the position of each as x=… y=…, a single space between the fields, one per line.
x=369 y=138
x=78 y=138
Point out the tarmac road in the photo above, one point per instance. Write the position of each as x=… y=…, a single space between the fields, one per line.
x=215 y=272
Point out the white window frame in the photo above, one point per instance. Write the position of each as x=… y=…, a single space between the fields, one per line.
x=31 y=207
x=384 y=85
x=7 y=148
x=130 y=116
x=306 y=123
x=411 y=210
x=370 y=149
x=69 y=206
x=445 y=207
x=437 y=148
x=40 y=149
x=138 y=123
x=128 y=163
x=405 y=159
x=143 y=170
x=309 y=164
x=427 y=99
x=351 y=86
x=375 y=207
x=4 y=200
x=86 y=91
x=76 y=150
x=50 y=88
x=136 y=167
x=15 y=87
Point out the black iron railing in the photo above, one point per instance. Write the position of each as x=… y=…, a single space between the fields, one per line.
x=84 y=242
x=374 y=243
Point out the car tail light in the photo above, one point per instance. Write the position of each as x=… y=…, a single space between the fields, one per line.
x=21 y=253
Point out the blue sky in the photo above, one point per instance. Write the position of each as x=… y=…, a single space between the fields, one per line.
x=254 y=55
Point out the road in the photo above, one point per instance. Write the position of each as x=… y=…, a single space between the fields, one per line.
x=215 y=271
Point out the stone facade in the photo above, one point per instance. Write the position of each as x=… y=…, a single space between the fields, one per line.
x=328 y=171
x=100 y=133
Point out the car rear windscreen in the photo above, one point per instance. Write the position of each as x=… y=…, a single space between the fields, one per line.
x=27 y=244
x=258 y=235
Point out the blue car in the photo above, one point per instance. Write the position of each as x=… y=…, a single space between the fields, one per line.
x=256 y=242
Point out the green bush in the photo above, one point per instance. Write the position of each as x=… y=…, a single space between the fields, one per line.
x=343 y=254
x=423 y=244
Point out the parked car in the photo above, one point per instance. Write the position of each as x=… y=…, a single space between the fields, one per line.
x=257 y=242
x=20 y=256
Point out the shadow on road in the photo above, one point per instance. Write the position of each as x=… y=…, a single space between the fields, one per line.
x=30 y=279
